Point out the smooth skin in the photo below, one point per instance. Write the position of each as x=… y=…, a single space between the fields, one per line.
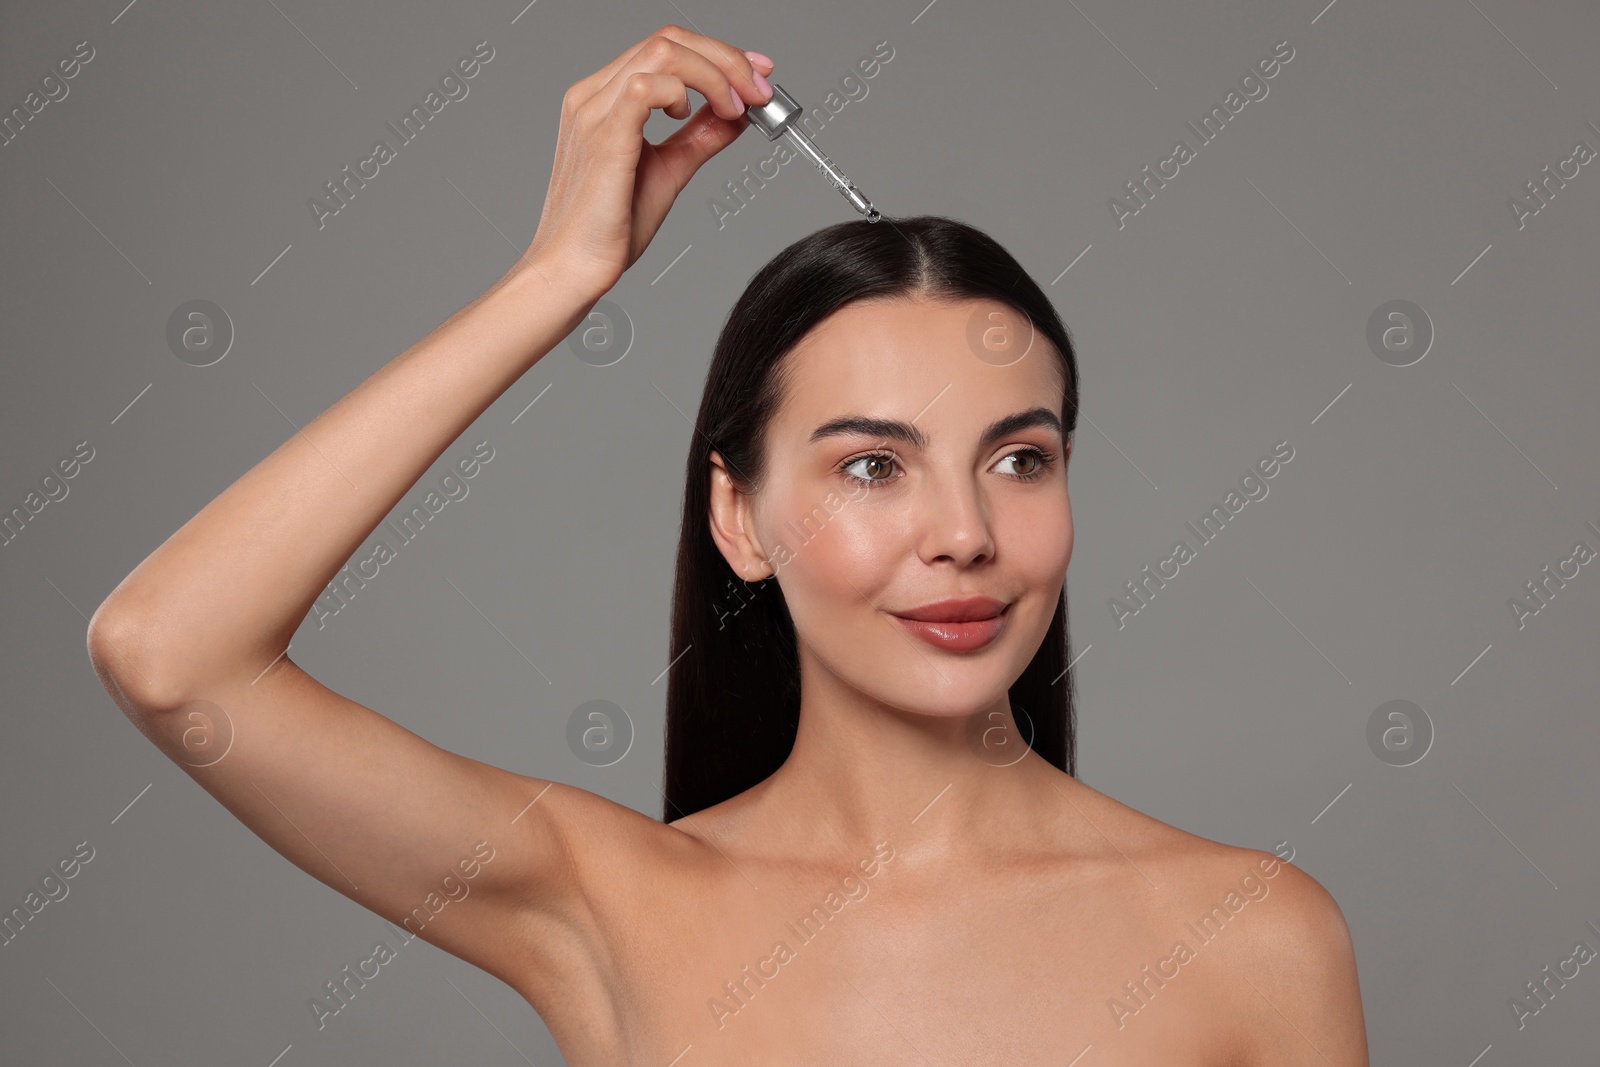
x=966 y=913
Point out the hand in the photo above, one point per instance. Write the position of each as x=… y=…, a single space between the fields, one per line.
x=610 y=189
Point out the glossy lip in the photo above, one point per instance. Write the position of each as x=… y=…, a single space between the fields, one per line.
x=976 y=623
x=969 y=609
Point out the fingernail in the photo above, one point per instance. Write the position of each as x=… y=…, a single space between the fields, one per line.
x=758 y=58
x=738 y=101
x=762 y=83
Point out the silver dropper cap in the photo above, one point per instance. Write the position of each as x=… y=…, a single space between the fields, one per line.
x=780 y=117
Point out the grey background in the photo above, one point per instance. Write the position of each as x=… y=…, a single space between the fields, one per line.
x=1228 y=315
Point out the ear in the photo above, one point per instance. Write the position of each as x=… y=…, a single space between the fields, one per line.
x=733 y=525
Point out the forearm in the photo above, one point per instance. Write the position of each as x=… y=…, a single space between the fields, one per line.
x=224 y=594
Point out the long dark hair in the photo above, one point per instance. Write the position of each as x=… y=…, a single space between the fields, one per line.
x=733 y=695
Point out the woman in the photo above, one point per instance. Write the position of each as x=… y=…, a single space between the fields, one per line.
x=865 y=859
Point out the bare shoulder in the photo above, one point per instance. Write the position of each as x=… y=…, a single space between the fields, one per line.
x=1302 y=1003
x=1195 y=868
x=1273 y=929
x=1150 y=846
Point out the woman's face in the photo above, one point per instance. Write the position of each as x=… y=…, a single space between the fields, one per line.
x=908 y=465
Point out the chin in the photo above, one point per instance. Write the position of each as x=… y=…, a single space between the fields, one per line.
x=965 y=689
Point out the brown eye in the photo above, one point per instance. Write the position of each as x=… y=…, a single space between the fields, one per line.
x=1034 y=462
x=874 y=468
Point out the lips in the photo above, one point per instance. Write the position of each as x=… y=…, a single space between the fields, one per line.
x=971 y=609
x=956 y=625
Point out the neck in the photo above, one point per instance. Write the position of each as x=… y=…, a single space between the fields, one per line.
x=937 y=788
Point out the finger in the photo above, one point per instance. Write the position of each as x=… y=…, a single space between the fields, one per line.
x=643 y=91
x=680 y=110
x=732 y=61
x=696 y=141
x=733 y=65
x=660 y=55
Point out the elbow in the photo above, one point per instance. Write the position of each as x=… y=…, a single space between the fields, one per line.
x=120 y=650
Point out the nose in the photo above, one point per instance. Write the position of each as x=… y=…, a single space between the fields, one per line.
x=955 y=523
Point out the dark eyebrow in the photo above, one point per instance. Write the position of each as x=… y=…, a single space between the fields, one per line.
x=906 y=433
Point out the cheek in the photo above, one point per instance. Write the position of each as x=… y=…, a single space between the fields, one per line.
x=835 y=552
x=1038 y=543
x=841 y=553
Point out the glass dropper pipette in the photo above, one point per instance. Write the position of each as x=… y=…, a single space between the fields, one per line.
x=779 y=117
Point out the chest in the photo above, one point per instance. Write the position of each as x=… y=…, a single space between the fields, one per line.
x=793 y=970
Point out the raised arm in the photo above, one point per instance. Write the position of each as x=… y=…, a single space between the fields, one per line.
x=192 y=643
